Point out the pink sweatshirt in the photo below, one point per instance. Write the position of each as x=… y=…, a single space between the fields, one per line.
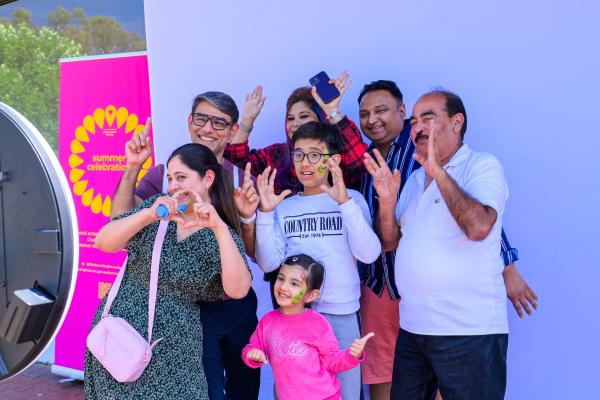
x=304 y=354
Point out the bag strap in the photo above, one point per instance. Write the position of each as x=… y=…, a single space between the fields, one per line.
x=156 y=252
x=112 y=293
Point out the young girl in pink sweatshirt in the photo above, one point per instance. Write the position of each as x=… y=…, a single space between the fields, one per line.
x=298 y=342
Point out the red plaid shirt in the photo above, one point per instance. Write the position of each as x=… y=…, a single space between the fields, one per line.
x=278 y=156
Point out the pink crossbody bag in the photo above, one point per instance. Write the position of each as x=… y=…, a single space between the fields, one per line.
x=117 y=345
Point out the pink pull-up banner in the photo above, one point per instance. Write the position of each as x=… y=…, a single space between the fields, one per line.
x=104 y=102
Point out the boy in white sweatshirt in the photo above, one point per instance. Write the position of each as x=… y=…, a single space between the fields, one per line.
x=328 y=222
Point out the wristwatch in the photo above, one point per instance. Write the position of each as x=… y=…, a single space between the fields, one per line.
x=334 y=117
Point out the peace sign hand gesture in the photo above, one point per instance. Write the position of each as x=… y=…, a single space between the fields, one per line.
x=338 y=191
x=358 y=346
x=385 y=183
x=266 y=190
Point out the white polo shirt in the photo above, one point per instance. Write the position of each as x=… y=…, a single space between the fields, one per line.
x=451 y=285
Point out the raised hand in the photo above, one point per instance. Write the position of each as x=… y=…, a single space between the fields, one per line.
x=386 y=183
x=432 y=162
x=139 y=148
x=265 y=183
x=358 y=346
x=253 y=104
x=257 y=355
x=246 y=198
x=338 y=191
x=342 y=83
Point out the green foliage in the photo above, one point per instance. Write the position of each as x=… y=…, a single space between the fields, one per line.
x=29 y=73
x=29 y=68
x=21 y=15
x=97 y=35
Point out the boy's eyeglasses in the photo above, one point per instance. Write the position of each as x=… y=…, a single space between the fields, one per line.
x=313 y=157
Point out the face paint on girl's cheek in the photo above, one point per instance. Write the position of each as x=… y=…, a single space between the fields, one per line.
x=296 y=299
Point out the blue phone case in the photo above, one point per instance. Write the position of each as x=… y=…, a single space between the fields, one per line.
x=326 y=90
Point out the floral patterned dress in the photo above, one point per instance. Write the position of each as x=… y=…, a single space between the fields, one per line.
x=189 y=272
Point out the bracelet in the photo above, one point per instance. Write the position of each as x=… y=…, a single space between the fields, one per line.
x=248 y=221
x=334 y=117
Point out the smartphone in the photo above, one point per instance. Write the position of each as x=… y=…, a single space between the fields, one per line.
x=326 y=90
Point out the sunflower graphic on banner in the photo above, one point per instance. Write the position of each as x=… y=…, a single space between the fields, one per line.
x=92 y=153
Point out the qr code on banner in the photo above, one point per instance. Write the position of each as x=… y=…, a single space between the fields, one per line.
x=103 y=288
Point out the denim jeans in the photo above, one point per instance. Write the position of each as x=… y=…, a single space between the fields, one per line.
x=346 y=329
x=462 y=367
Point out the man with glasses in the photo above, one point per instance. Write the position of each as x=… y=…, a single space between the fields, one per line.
x=210 y=126
x=226 y=325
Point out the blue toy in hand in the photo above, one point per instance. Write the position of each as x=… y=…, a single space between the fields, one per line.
x=163 y=212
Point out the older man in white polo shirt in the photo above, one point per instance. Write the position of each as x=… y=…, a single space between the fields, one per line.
x=447 y=228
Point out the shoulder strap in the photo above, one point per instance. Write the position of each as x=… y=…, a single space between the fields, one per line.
x=165 y=182
x=114 y=289
x=156 y=252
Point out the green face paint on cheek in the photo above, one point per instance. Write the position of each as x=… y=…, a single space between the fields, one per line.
x=323 y=167
x=296 y=299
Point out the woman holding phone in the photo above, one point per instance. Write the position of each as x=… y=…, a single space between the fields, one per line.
x=303 y=105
